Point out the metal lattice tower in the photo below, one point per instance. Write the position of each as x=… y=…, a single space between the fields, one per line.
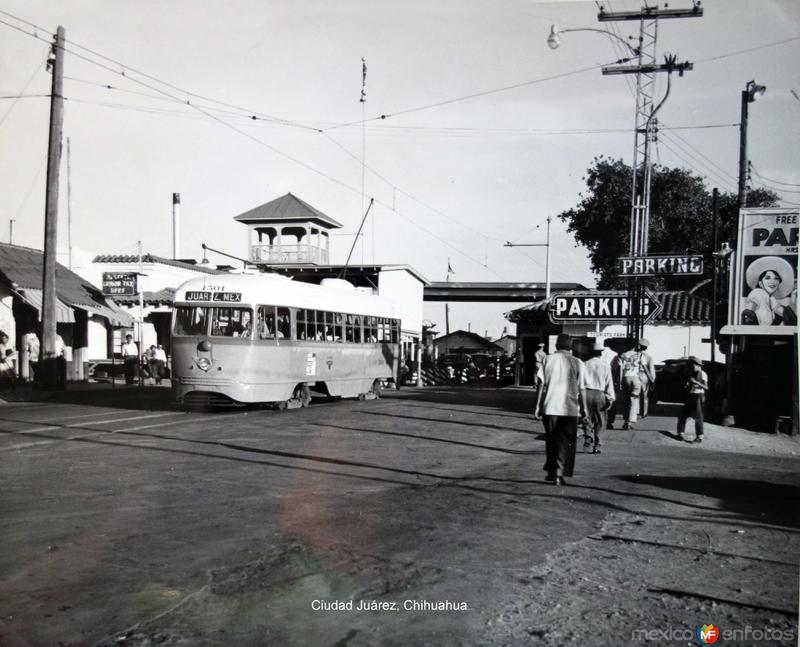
x=644 y=136
x=645 y=131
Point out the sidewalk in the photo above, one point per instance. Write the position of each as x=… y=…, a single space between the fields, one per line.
x=102 y=394
x=715 y=437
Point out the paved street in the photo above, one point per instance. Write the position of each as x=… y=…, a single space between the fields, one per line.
x=129 y=522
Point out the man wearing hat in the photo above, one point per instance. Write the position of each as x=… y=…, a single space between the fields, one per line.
x=562 y=402
x=599 y=395
x=696 y=387
x=637 y=372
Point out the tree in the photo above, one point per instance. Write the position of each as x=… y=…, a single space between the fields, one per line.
x=680 y=218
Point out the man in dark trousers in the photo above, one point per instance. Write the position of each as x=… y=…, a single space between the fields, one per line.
x=130 y=356
x=562 y=403
x=696 y=387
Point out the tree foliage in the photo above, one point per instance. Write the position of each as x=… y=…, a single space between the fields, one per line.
x=681 y=215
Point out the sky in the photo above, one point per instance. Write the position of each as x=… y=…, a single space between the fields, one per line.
x=486 y=131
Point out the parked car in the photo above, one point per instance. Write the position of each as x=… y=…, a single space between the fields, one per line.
x=671 y=377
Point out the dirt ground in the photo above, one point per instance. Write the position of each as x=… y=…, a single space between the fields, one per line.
x=129 y=523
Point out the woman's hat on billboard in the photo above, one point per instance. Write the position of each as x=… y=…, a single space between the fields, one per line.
x=778 y=265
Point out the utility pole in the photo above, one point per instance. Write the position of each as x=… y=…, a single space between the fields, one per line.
x=645 y=129
x=547 y=258
x=49 y=364
x=69 y=208
x=518 y=367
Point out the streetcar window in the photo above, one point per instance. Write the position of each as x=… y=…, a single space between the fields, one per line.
x=395 y=330
x=191 y=320
x=353 y=329
x=321 y=330
x=306 y=324
x=265 y=326
x=370 y=330
x=231 y=322
x=284 y=325
x=311 y=324
x=338 y=321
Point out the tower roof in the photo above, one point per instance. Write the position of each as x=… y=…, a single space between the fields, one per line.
x=287 y=209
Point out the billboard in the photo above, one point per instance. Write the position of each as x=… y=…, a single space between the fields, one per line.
x=764 y=283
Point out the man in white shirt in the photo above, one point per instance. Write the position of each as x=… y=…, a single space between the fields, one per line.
x=159 y=360
x=647 y=376
x=561 y=402
x=637 y=373
x=599 y=395
x=130 y=356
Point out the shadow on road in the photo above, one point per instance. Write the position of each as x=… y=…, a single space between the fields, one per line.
x=759 y=501
x=507 y=399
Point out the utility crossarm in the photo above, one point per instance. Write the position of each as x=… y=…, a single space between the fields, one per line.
x=680 y=68
x=651 y=12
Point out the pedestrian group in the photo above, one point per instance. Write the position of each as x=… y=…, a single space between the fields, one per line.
x=572 y=394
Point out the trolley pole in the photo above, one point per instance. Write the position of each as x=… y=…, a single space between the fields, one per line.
x=49 y=378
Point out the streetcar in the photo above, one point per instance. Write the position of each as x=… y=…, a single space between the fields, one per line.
x=254 y=337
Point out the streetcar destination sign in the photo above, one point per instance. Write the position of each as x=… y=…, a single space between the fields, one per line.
x=117 y=284
x=610 y=305
x=225 y=297
x=666 y=265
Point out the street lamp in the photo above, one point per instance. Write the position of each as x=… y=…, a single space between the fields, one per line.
x=751 y=92
x=554 y=40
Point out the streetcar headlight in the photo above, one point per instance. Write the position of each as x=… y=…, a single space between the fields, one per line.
x=203 y=363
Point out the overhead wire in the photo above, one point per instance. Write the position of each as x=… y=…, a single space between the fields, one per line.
x=709 y=161
x=466 y=97
x=268 y=146
x=693 y=165
x=24 y=89
x=220 y=119
x=755 y=172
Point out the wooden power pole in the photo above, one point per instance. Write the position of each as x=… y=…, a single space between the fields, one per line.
x=50 y=377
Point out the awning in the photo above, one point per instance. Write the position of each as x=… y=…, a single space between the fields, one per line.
x=116 y=317
x=33 y=297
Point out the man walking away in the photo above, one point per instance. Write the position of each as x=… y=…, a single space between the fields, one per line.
x=562 y=402
x=696 y=387
x=647 y=376
x=630 y=384
x=599 y=396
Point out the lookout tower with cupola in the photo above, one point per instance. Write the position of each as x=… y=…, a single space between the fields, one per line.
x=287 y=231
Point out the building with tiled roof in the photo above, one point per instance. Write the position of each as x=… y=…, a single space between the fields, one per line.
x=157 y=278
x=678 y=330
x=85 y=318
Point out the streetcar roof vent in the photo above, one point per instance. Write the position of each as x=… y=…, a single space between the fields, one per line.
x=337 y=284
